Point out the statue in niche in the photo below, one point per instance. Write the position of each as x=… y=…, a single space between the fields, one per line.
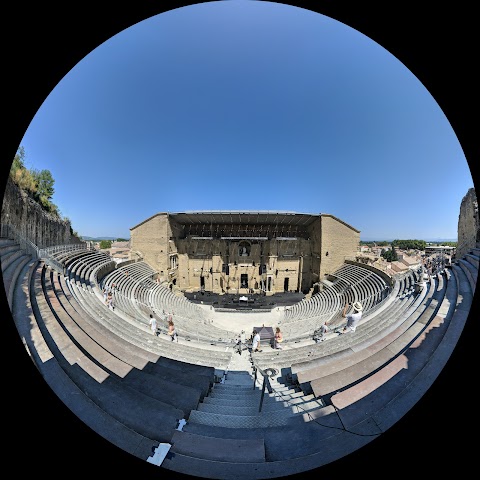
x=244 y=249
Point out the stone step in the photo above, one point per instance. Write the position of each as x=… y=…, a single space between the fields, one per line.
x=473 y=259
x=228 y=386
x=239 y=410
x=11 y=274
x=236 y=389
x=215 y=393
x=470 y=271
x=294 y=405
x=241 y=402
x=218 y=449
x=9 y=258
x=5 y=249
x=274 y=418
x=7 y=241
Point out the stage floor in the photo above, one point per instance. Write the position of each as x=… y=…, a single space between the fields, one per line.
x=245 y=301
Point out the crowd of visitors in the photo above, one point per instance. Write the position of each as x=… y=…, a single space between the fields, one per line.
x=435 y=264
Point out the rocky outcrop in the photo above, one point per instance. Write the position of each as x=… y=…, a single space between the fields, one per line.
x=32 y=222
x=468 y=224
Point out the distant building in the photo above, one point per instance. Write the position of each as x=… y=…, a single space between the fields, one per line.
x=413 y=263
x=378 y=250
x=399 y=267
x=120 y=251
x=432 y=249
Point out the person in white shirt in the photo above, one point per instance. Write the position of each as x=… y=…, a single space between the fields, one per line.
x=256 y=342
x=153 y=324
x=352 y=318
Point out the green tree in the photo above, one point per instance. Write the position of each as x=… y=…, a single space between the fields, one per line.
x=24 y=179
x=18 y=162
x=37 y=184
x=105 y=244
x=45 y=182
x=20 y=174
x=122 y=240
x=390 y=255
x=409 y=244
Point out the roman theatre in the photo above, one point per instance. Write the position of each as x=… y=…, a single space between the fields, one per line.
x=243 y=252
x=205 y=404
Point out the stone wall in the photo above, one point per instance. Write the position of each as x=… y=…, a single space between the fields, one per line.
x=32 y=222
x=468 y=224
x=339 y=240
x=149 y=240
x=191 y=263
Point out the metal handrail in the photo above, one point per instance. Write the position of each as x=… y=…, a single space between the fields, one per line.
x=45 y=254
x=266 y=382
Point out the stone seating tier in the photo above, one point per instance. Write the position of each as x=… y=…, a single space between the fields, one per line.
x=140 y=335
x=184 y=374
x=306 y=434
x=146 y=415
x=181 y=397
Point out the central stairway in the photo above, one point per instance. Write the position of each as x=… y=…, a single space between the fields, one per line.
x=232 y=427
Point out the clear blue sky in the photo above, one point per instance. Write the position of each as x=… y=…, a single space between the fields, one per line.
x=243 y=105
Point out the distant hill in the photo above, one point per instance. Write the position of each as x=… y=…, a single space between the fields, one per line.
x=98 y=239
x=431 y=240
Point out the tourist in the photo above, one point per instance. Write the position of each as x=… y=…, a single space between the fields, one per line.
x=319 y=335
x=171 y=330
x=256 y=342
x=277 y=339
x=153 y=324
x=352 y=318
x=109 y=300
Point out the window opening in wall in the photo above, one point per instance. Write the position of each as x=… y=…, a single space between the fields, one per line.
x=244 y=280
x=285 y=284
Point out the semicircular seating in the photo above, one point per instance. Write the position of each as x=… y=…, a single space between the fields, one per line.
x=141 y=391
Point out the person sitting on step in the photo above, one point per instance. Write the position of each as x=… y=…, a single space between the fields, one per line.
x=352 y=318
x=172 y=331
x=278 y=339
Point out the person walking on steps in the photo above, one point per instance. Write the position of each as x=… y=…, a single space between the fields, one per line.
x=256 y=342
x=153 y=324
